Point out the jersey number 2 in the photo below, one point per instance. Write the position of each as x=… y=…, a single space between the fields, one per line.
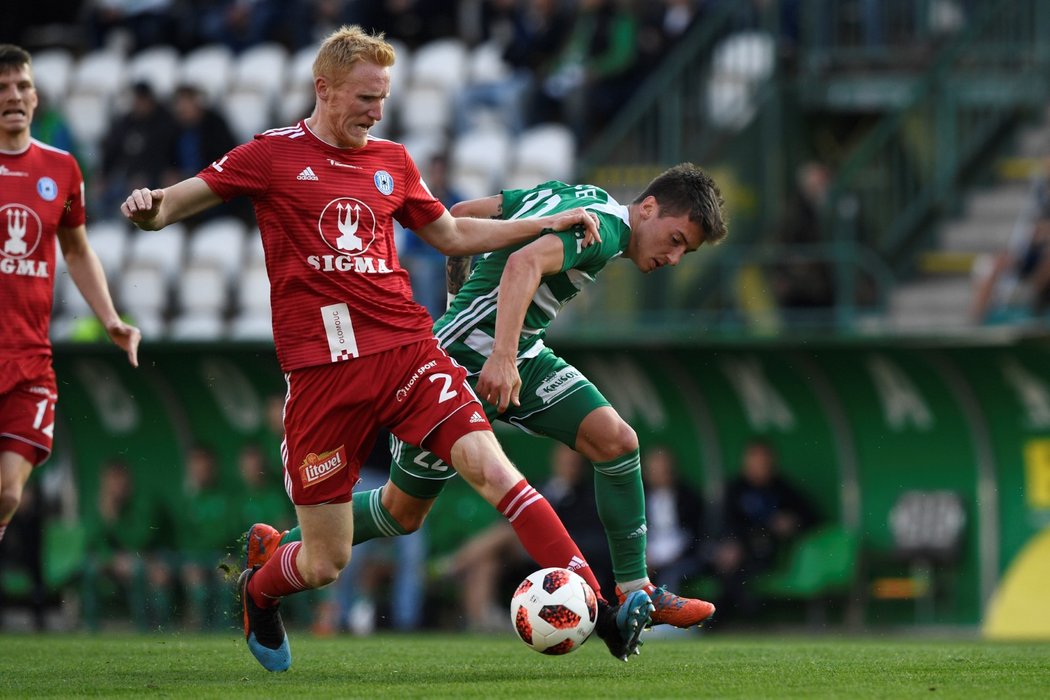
x=446 y=391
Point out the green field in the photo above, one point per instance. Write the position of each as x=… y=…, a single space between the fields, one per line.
x=465 y=666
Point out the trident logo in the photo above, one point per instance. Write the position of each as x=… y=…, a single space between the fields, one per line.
x=16 y=230
x=348 y=222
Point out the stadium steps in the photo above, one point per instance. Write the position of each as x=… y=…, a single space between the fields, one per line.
x=940 y=295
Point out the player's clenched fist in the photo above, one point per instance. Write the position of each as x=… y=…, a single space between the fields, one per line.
x=142 y=207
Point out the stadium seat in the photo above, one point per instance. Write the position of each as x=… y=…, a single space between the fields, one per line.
x=220 y=241
x=208 y=68
x=100 y=72
x=254 y=251
x=248 y=113
x=423 y=145
x=109 y=240
x=252 y=326
x=546 y=151
x=88 y=116
x=426 y=108
x=739 y=64
x=486 y=64
x=480 y=157
x=202 y=289
x=300 y=70
x=52 y=71
x=198 y=326
x=440 y=64
x=262 y=68
x=296 y=103
x=157 y=66
x=69 y=302
x=160 y=249
x=822 y=564
x=143 y=291
x=253 y=290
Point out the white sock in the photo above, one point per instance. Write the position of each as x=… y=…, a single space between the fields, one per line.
x=635 y=585
x=3 y=529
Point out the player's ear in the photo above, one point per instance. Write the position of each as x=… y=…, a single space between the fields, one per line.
x=650 y=207
x=321 y=87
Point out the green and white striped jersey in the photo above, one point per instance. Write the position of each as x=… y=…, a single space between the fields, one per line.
x=467 y=330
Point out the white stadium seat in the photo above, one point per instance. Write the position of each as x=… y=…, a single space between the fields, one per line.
x=425 y=108
x=88 y=116
x=101 y=72
x=203 y=327
x=484 y=153
x=109 y=240
x=441 y=63
x=208 y=68
x=219 y=241
x=253 y=290
x=69 y=301
x=252 y=326
x=487 y=64
x=161 y=249
x=143 y=291
x=423 y=145
x=248 y=113
x=300 y=72
x=547 y=151
x=202 y=288
x=158 y=67
x=52 y=71
x=254 y=248
x=263 y=68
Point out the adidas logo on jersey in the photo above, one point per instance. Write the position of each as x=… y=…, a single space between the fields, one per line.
x=477 y=418
x=307 y=174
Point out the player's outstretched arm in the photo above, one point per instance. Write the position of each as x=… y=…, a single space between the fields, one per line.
x=88 y=275
x=152 y=210
x=499 y=382
x=469 y=236
x=457 y=267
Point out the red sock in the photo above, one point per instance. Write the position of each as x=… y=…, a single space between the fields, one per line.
x=278 y=577
x=542 y=533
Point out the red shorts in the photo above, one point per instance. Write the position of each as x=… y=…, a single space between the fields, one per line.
x=332 y=413
x=28 y=394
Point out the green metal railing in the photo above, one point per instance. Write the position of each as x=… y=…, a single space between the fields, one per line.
x=908 y=170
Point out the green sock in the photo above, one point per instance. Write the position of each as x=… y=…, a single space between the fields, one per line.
x=371 y=519
x=621 y=507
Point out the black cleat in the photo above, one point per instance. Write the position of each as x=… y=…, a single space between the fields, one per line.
x=264 y=629
x=620 y=626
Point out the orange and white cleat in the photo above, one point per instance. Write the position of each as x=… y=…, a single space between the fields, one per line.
x=674 y=610
x=260 y=542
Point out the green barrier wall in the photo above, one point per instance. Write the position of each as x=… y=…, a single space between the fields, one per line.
x=855 y=425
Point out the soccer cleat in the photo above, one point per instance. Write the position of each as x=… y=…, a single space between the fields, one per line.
x=260 y=542
x=620 y=626
x=674 y=610
x=264 y=630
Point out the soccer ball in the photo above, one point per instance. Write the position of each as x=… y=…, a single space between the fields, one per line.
x=554 y=610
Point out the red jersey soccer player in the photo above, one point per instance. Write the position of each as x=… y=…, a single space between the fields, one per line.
x=358 y=353
x=41 y=198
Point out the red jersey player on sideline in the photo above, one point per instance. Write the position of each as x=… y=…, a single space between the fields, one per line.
x=358 y=353
x=41 y=198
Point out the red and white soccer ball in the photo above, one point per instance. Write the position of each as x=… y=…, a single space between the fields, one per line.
x=554 y=610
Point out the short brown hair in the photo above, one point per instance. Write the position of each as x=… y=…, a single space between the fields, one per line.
x=686 y=189
x=15 y=57
x=346 y=46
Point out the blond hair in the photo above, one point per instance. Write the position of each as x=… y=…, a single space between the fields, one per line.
x=346 y=46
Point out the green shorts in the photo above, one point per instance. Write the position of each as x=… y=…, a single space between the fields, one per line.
x=555 y=398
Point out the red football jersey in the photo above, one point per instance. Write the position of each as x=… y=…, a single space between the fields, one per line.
x=326 y=215
x=41 y=188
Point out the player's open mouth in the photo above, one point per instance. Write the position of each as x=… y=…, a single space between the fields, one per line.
x=16 y=112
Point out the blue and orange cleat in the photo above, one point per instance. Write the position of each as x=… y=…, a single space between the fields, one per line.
x=620 y=626
x=674 y=610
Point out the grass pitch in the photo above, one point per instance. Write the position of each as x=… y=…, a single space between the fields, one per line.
x=440 y=665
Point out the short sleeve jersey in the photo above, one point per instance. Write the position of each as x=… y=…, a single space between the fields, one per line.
x=337 y=290
x=41 y=189
x=467 y=330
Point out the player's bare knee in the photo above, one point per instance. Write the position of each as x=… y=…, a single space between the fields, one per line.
x=10 y=497
x=322 y=570
x=621 y=440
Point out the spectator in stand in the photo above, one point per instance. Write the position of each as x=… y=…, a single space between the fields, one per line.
x=674 y=514
x=999 y=279
x=130 y=148
x=764 y=513
x=597 y=69
x=131 y=24
x=201 y=136
x=121 y=551
x=803 y=280
x=240 y=23
x=661 y=25
x=425 y=265
x=260 y=494
x=414 y=22
x=206 y=527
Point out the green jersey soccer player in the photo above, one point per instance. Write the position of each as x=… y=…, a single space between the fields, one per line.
x=495 y=327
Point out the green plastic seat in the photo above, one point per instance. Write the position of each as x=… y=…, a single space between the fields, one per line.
x=823 y=562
